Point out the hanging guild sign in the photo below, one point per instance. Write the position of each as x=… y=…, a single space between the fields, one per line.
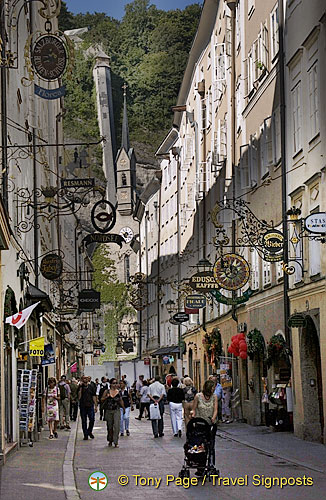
x=231 y=271
x=103 y=216
x=297 y=321
x=49 y=94
x=78 y=183
x=181 y=317
x=48 y=356
x=104 y=238
x=195 y=301
x=316 y=223
x=203 y=281
x=51 y=266
x=273 y=244
x=89 y=300
x=49 y=57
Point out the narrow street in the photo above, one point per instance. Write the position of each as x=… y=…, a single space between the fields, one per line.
x=142 y=455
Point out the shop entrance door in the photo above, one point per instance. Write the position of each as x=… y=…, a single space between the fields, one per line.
x=312 y=386
x=8 y=397
x=197 y=375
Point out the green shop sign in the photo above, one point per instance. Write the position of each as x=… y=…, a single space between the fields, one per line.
x=229 y=301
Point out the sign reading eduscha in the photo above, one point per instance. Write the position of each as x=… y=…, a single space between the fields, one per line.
x=195 y=301
x=203 y=281
x=316 y=223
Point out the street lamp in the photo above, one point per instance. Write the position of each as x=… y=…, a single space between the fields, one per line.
x=170 y=306
x=204 y=265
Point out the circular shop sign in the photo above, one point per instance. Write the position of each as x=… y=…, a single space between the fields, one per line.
x=49 y=57
x=103 y=216
x=231 y=271
x=273 y=241
x=51 y=266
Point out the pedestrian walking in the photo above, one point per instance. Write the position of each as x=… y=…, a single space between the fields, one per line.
x=50 y=400
x=144 y=400
x=73 y=400
x=88 y=407
x=219 y=393
x=104 y=385
x=176 y=396
x=206 y=407
x=190 y=392
x=64 y=403
x=156 y=394
x=139 y=385
x=112 y=402
x=127 y=401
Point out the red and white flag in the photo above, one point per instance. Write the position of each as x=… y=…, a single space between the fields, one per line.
x=18 y=320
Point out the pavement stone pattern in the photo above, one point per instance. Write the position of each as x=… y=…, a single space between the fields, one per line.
x=37 y=473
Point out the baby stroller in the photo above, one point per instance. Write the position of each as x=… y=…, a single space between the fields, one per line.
x=199 y=449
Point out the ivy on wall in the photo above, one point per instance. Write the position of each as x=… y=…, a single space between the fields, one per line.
x=114 y=298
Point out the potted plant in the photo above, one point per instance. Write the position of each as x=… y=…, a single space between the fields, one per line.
x=255 y=343
x=277 y=348
x=213 y=345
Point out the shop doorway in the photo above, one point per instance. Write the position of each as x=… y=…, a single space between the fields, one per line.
x=190 y=364
x=197 y=375
x=312 y=388
x=8 y=396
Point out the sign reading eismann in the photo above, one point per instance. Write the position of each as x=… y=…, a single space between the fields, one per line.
x=273 y=243
x=203 y=281
x=76 y=183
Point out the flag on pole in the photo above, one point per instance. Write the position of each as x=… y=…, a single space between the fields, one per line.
x=18 y=320
x=73 y=368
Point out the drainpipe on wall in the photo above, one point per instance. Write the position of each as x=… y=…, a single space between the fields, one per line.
x=283 y=166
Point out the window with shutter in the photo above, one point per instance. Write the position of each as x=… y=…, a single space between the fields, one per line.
x=237 y=26
x=190 y=195
x=254 y=270
x=253 y=160
x=251 y=7
x=203 y=114
x=223 y=138
x=244 y=166
x=228 y=35
x=268 y=142
x=266 y=273
x=263 y=169
x=297 y=118
x=274 y=32
x=313 y=101
x=238 y=98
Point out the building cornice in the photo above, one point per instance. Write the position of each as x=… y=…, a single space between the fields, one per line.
x=313 y=178
x=297 y=191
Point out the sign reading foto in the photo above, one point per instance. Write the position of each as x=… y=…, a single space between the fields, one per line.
x=36 y=347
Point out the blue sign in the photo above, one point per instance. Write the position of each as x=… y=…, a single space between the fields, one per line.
x=49 y=94
x=166 y=360
x=49 y=356
x=195 y=301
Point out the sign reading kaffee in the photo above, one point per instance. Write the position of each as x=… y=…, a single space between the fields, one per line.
x=316 y=223
x=203 y=281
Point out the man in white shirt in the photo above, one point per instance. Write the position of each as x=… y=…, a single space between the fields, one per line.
x=156 y=394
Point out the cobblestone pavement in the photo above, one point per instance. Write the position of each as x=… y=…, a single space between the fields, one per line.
x=36 y=473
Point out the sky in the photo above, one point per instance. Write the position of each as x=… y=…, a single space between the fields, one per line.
x=115 y=8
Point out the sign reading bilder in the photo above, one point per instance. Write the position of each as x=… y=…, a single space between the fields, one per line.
x=273 y=244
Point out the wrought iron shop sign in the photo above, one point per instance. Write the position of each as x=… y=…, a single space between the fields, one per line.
x=77 y=183
x=297 y=321
x=104 y=238
x=195 y=301
x=181 y=317
x=89 y=300
x=231 y=271
x=231 y=301
x=103 y=216
x=51 y=266
x=49 y=94
x=316 y=223
x=203 y=281
x=273 y=244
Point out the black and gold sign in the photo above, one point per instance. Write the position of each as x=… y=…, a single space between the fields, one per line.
x=51 y=266
x=103 y=216
x=231 y=271
x=203 y=281
x=273 y=244
x=49 y=57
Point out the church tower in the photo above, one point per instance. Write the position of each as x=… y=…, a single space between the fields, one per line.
x=126 y=167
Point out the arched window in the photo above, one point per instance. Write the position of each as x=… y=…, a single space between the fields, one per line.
x=127 y=268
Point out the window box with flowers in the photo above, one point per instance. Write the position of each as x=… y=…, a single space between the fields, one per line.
x=213 y=346
x=277 y=349
x=256 y=344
